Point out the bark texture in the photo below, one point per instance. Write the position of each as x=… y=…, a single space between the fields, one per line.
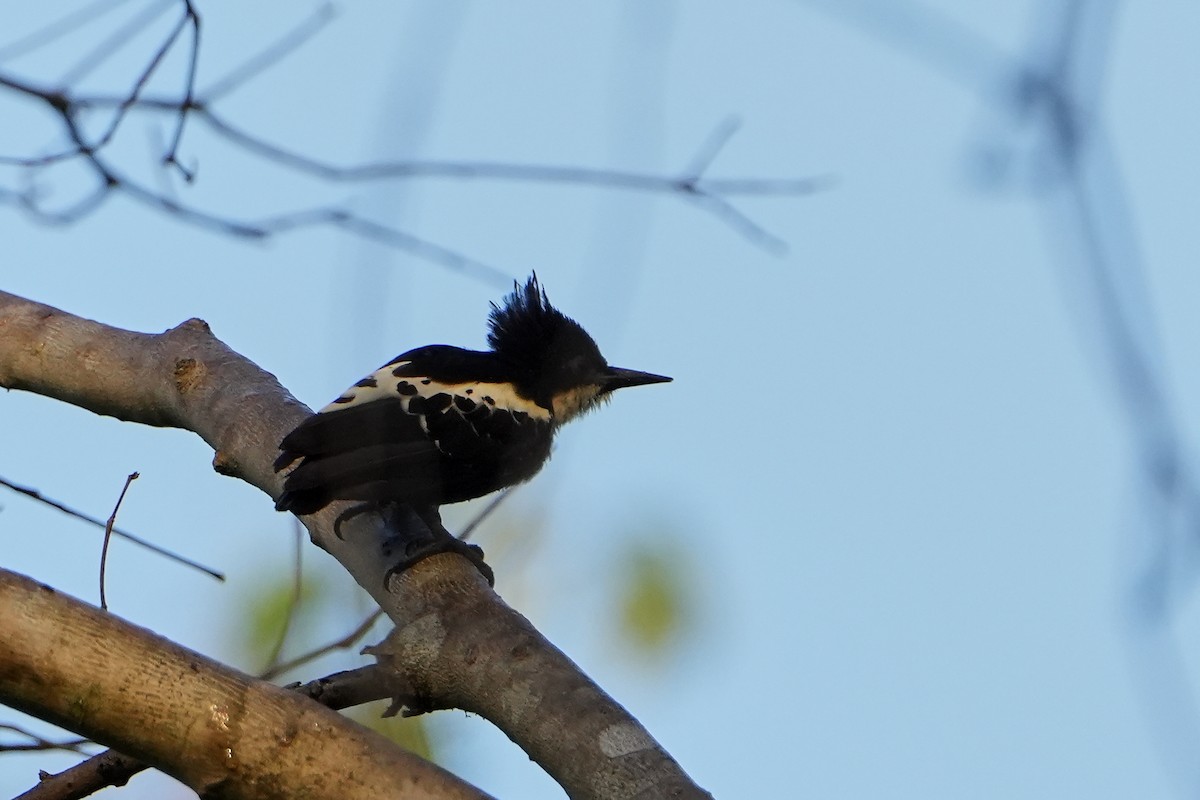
x=456 y=641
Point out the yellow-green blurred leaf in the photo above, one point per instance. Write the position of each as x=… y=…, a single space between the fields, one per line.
x=652 y=595
x=272 y=606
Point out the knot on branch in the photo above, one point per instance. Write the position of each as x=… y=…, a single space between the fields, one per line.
x=59 y=101
x=225 y=464
x=196 y=324
x=407 y=699
x=188 y=374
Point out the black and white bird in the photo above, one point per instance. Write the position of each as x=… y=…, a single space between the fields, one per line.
x=441 y=424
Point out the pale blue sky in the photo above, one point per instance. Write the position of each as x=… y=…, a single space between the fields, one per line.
x=892 y=458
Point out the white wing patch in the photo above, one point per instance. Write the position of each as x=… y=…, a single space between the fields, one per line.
x=382 y=384
x=376 y=386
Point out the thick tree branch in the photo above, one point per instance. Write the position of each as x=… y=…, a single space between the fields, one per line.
x=218 y=731
x=113 y=768
x=456 y=642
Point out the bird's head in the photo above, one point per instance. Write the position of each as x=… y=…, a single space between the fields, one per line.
x=554 y=360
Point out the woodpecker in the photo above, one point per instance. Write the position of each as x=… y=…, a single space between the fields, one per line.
x=441 y=424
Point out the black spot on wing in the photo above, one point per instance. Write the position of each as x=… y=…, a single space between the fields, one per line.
x=439 y=402
x=478 y=415
x=407 y=368
x=367 y=382
x=463 y=403
x=346 y=398
x=406 y=389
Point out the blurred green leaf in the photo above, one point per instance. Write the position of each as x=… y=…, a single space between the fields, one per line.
x=654 y=606
x=269 y=611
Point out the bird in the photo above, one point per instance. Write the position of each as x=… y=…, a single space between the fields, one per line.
x=440 y=424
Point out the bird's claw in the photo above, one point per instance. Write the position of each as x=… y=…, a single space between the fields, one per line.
x=349 y=514
x=419 y=550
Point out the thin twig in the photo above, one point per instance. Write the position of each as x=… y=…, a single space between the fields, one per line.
x=108 y=529
x=162 y=551
x=189 y=92
x=711 y=148
x=271 y=54
x=749 y=229
x=59 y=28
x=488 y=170
x=294 y=600
x=347 y=641
x=112 y=44
x=37 y=742
x=375 y=231
x=492 y=505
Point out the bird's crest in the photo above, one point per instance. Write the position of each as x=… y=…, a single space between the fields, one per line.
x=527 y=328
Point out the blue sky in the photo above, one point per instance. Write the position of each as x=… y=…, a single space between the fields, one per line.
x=893 y=459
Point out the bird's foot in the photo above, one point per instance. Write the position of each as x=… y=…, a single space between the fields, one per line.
x=441 y=542
x=420 y=540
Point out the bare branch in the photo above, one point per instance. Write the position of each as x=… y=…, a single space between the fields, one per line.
x=74 y=20
x=162 y=551
x=369 y=229
x=189 y=92
x=38 y=743
x=110 y=768
x=711 y=148
x=347 y=641
x=216 y=730
x=751 y=230
x=709 y=194
x=112 y=44
x=686 y=181
x=271 y=54
x=89 y=776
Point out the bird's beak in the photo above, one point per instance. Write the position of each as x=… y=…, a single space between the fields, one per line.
x=617 y=378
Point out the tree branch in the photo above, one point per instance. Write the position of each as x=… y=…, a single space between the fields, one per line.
x=214 y=729
x=456 y=642
x=112 y=768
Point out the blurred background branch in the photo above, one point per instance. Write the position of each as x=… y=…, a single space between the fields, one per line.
x=80 y=140
x=1051 y=141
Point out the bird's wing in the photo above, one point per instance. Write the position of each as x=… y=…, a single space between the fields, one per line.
x=397 y=404
x=397 y=435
